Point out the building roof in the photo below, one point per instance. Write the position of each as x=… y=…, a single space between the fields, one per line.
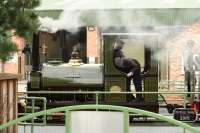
x=115 y=4
x=121 y=12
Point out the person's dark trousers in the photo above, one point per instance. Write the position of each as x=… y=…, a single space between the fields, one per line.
x=129 y=97
x=188 y=81
x=137 y=83
x=138 y=86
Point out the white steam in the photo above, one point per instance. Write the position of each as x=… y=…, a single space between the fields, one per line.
x=103 y=16
x=138 y=22
x=68 y=20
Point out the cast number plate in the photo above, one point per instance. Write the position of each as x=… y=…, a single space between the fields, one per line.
x=187 y=115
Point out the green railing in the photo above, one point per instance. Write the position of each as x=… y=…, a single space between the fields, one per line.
x=98 y=94
x=125 y=111
x=33 y=101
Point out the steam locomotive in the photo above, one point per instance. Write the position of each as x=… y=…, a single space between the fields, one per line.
x=56 y=68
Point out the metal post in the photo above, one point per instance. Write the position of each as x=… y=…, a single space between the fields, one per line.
x=67 y=121
x=97 y=98
x=185 y=97
x=126 y=121
x=45 y=107
x=185 y=106
x=32 y=120
x=183 y=130
x=25 y=121
x=24 y=128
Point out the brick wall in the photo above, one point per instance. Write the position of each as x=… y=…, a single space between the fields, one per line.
x=17 y=64
x=176 y=46
x=93 y=44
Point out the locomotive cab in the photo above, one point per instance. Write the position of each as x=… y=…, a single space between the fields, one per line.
x=116 y=80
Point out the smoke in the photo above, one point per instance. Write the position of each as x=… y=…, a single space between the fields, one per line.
x=71 y=17
x=144 y=25
x=68 y=20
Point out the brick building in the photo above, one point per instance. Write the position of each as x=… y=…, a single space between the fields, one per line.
x=170 y=69
x=16 y=65
x=176 y=47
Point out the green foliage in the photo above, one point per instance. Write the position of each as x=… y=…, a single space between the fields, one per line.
x=20 y=16
x=6 y=49
x=26 y=23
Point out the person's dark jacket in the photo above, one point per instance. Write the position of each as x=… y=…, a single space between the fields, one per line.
x=123 y=63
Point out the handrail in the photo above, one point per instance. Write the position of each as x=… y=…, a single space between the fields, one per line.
x=108 y=92
x=125 y=110
x=33 y=99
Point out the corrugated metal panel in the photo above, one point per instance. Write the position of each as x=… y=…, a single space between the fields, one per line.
x=49 y=13
x=116 y=4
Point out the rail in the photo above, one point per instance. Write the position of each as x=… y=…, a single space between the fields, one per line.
x=33 y=100
x=97 y=95
x=124 y=110
x=108 y=92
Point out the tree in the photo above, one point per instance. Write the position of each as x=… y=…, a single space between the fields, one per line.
x=6 y=48
x=16 y=15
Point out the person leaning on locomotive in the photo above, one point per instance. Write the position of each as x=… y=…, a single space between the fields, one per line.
x=129 y=66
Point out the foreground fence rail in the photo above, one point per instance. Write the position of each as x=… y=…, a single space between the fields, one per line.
x=124 y=110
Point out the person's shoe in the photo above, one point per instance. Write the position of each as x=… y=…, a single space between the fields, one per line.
x=139 y=100
x=130 y=98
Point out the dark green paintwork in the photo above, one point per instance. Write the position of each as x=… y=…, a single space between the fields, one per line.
x=151 y=79
x=113 y=77
x=35 y=80
x=110 y=69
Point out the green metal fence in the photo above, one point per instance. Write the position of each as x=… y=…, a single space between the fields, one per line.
x=32 y=107
x=124 y=110
x=32 y=110
x=97 y=94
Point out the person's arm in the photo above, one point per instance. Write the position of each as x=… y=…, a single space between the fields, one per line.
x=132 y=64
